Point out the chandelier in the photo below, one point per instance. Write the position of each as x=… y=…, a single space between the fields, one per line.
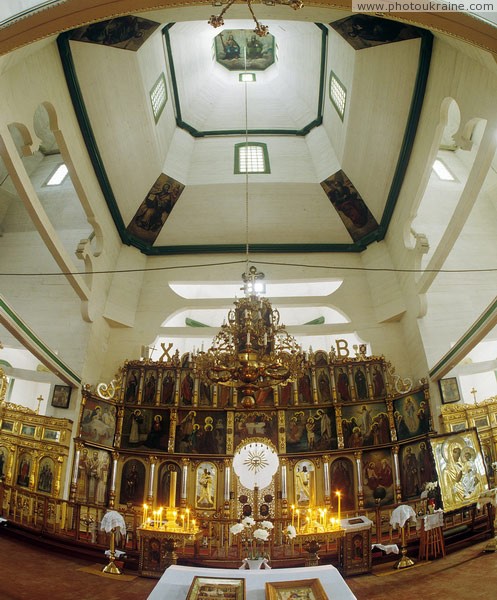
x=253 y=351
x=260 y=29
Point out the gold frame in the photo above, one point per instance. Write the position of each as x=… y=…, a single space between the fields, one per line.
x=451 y=472
x=233 y=585
x=311 y=589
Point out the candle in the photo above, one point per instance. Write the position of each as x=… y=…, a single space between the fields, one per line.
x=338 y=495
x=160 y=516
x=298 y=519
x=183 y=522
x=188 y=518
x=293 y=515
x=172 y=489
x=325 y=518
x=154 y=513
x=193 y=524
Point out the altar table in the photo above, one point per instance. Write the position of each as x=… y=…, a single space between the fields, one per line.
x=176 y=580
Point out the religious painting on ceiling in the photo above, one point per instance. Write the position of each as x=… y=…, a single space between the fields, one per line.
x=145 y=428
x=201 y=432
x=365 y=425
x=365 y=31
x=416 y=469
x=126 y=33
x=256 y=424
x=349 y=204
x=155 y=209
x=98 y=422
x=411 y=415
x=460 y=468
x=377 y=475
x=242 y=49
x=308 y=430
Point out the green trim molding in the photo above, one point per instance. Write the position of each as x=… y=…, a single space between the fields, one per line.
x=478 y=330
x=26 y=336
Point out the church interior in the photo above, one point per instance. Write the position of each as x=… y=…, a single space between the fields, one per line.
x=232 y=335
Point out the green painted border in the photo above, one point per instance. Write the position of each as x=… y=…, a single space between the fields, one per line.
x=267 y=166
x=20 y=324
x=358 y=246
x=462 y=341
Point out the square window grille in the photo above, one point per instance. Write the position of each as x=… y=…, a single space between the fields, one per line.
x=158 y=96
x=338 y=94
x=251 y=158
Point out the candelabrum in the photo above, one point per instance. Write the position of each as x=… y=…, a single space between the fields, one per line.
x=175 y=521
x=253 y=351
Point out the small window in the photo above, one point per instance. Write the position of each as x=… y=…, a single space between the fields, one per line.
x=338 y=94
x=442 y=171
x=251 y=158
x=58 y=175
x=158 y=96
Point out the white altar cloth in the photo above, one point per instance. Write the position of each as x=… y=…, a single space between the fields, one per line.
x=176 y=580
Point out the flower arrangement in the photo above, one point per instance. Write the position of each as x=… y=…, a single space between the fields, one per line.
x=290 y=532
x=494 y=466
x=253 y=536
x=431 y=486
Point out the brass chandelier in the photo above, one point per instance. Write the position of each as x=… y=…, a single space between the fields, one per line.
x=260 y=29
x=253 y=351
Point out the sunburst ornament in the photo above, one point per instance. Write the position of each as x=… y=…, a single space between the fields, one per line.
x=255 y=463
x=256 y=459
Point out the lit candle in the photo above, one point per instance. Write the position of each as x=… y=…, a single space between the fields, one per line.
x=293 y=515
x=298 y=519
x=338 y=495
x=188 y=518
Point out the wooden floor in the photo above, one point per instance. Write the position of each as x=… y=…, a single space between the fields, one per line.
x=29 y=572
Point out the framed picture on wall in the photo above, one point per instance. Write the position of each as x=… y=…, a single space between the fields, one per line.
x=61 y=395
x=449 y=390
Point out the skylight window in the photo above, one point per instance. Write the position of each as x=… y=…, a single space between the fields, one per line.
x=251 y=158
x=338 y=94
x=246 y=77
x=158 y=96
x=442 y=171
x=58 y=175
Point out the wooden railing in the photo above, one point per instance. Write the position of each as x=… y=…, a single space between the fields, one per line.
x=81 y=523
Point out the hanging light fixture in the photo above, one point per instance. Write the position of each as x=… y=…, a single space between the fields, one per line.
x=260 y=29
x=253 y=351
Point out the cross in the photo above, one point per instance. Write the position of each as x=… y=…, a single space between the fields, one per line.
x=40 y=400
x=473 y=391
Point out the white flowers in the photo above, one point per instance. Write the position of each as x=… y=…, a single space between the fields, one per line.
x=237 y=528
x=261 y=534
x=494 y=466
x=253 y=535
x=291 y=532
x=248 y=524
x=431 y=485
